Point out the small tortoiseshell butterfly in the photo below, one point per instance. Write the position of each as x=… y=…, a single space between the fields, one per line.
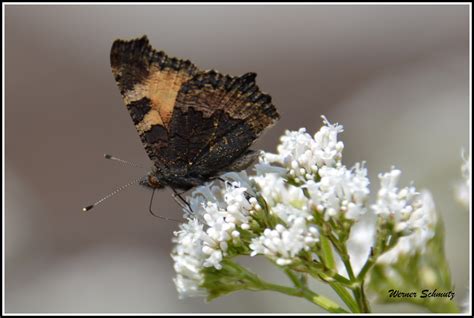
x=193 y=124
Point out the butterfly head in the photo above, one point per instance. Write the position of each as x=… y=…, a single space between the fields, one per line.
x=153 y=182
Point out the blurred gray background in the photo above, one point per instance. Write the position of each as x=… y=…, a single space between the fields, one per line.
x=396 y=77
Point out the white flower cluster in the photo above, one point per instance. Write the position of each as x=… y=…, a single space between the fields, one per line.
x=188 y=259
x=397 y=206
x=305 y=179
x=340 y=191
x=424 y=220
x=463 y=188
x=218 y=214
x=303 y=155
x=283 y=244
x=412 y=214
x=315 y=164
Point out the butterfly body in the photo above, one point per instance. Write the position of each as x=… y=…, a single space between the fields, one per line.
x=193 y=124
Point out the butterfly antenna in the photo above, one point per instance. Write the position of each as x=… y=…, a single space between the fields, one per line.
x=89 y=207
x=110 y=157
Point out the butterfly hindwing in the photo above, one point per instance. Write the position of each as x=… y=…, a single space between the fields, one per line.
x=235 y=113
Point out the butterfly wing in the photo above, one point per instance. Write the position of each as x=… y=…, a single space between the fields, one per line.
x=223 y=116
x=149 y=82
x=191 y=123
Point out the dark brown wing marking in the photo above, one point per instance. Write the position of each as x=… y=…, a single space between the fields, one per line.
x=239 y=97
x=238 y=110
x=142 y=72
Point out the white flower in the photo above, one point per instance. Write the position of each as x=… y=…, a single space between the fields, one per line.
x=413 y=216
x=217 y=213
x=315 y=164
x=465 y=303
x=222 y=222
x=238 y=206
x=466 y=170
x=302 y=155
x=188 y=258
x=395 y=205
x=422 y=223
x=289 y=213
x=340 y=191
x=201 y=196
x=283 y=244
x=463 y=188
x=276 y=190
x=329 y=150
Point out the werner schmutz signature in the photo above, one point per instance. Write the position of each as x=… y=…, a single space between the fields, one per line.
x=425 y=293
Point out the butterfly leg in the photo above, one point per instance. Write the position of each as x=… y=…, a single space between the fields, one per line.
x=181 y=202
x=156 y=215
x=247 y=195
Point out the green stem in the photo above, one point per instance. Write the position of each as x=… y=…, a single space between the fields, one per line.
x=357 y=289
x=316 y=299
x=281 y=289
x=329 y=261
x=322 y=274
x=294 y=278
x=302 y=285
x=341 y=279
x=327 y=254
x=323 y=302
x=346 y=260
x=345 y=296
x=335 y=280
x=367 y=266
x=361 y=299
x=303 y=291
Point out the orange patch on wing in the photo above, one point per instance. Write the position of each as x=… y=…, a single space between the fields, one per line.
x=161 y=87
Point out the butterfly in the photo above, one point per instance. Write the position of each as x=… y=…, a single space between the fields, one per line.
x=194 y=124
